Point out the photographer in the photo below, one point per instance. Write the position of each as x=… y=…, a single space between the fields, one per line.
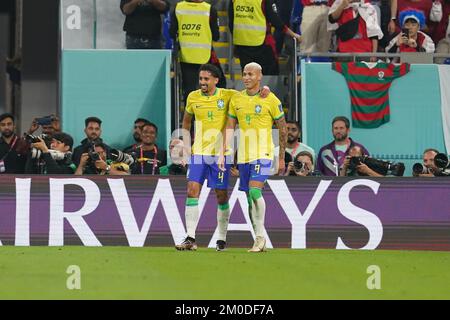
x=332 y=156
x=95 y=161
x=352 y=167
x=302 y=166
x=428 y=167
x=13 y=149
x=178 y=157
x=150 y=158
x=49 y=124
x=93 y=132
x=53 y=160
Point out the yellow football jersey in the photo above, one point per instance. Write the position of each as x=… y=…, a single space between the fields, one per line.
x=255 y=117
x=210 y=114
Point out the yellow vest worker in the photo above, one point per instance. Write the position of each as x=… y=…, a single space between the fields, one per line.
x=250 y=23
x=194 y=32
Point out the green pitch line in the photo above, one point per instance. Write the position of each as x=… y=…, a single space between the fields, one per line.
x=163 y=273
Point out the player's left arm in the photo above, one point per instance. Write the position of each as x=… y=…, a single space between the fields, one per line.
x=281 y=125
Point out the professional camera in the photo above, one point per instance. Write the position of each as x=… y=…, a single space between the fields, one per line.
x=30 y=138
x=119 y=156
x=299 y=166
x=419 y=168
x=45 y=121
x=382 y=167
x=93 y=155
x=56 y=155
x=442 y=162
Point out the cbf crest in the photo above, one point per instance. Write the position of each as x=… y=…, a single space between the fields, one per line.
x=220 y=104
x=258 y=109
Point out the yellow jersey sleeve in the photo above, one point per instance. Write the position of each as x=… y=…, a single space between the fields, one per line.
x=276 y=109
x=232 y=108
x=189 y=108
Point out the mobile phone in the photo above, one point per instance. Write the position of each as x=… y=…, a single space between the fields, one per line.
x=44 y=121
x=406 y=32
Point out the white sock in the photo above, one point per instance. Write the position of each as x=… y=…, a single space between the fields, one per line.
x=192 y=216
x=258 y=213
x=223 y=217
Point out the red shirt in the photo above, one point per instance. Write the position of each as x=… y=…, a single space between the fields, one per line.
x=419 y=41
x=361 y=42
x=312 y=2
x=438 y=29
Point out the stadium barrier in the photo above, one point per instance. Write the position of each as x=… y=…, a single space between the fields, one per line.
x=341 y=213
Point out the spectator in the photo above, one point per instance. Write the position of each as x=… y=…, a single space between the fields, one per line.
x=332 y=156
x=143 y=22
x=387 y=17
x=49 y=124
x=420 y=5
x=284 y=11
x=196 y=26
x=13 y=149
x=410 y=39
x=351 y=169
x=54 y=160
x=302 y=166
x=178 y=158
x=296 y=16
x=251 y=28
x=428 y=163
x=441 y=28
x=150 y=157
x=356 y=26
x=316 y=37
x=93 y=131
x=294 y=146
x=444 y=47
x=95 y=161
x=138 y=124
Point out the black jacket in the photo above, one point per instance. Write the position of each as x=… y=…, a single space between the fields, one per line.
x=84 y=148
x=47 y=165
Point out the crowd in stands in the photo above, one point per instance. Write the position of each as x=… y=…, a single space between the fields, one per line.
x=318 y=25
x=324 y=25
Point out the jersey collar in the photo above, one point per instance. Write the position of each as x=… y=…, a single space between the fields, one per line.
x=215 y=93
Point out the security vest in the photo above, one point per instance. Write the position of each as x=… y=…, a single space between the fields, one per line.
x=194 y=32
x=250 y=23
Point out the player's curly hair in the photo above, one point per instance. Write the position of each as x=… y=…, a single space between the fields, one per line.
x=215 y=72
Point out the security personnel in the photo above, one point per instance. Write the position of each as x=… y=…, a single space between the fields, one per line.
x=250 y=22
x=196 y=26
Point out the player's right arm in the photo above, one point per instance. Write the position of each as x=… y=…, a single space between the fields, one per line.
x=187 y=123
x=186 y=133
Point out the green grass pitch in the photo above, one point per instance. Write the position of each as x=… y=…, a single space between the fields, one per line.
x=164 y=273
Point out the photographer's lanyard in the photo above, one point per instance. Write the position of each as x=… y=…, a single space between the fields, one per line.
x=10 y=148
x=293 y=151
x=155 y=159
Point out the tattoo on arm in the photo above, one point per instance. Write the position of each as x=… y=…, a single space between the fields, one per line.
x=281 y=124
